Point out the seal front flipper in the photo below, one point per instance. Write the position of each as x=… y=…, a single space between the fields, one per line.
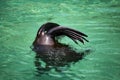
x=71 y=33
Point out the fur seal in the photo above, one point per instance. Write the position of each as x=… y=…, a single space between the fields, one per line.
x=48 y=32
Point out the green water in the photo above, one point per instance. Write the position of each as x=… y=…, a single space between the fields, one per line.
x=99 y=19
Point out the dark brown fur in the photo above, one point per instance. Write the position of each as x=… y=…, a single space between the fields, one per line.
x=48 y=32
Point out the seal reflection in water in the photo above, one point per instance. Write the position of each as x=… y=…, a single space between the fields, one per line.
x=53 y=53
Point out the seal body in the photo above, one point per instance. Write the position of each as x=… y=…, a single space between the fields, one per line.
x=51 y=51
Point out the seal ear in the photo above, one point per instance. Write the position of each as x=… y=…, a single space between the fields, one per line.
x=46 y=27
x=71 y=33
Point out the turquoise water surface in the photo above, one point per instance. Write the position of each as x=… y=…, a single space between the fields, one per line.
x=99 y=19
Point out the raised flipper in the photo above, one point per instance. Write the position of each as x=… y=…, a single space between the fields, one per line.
x=71 y=33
